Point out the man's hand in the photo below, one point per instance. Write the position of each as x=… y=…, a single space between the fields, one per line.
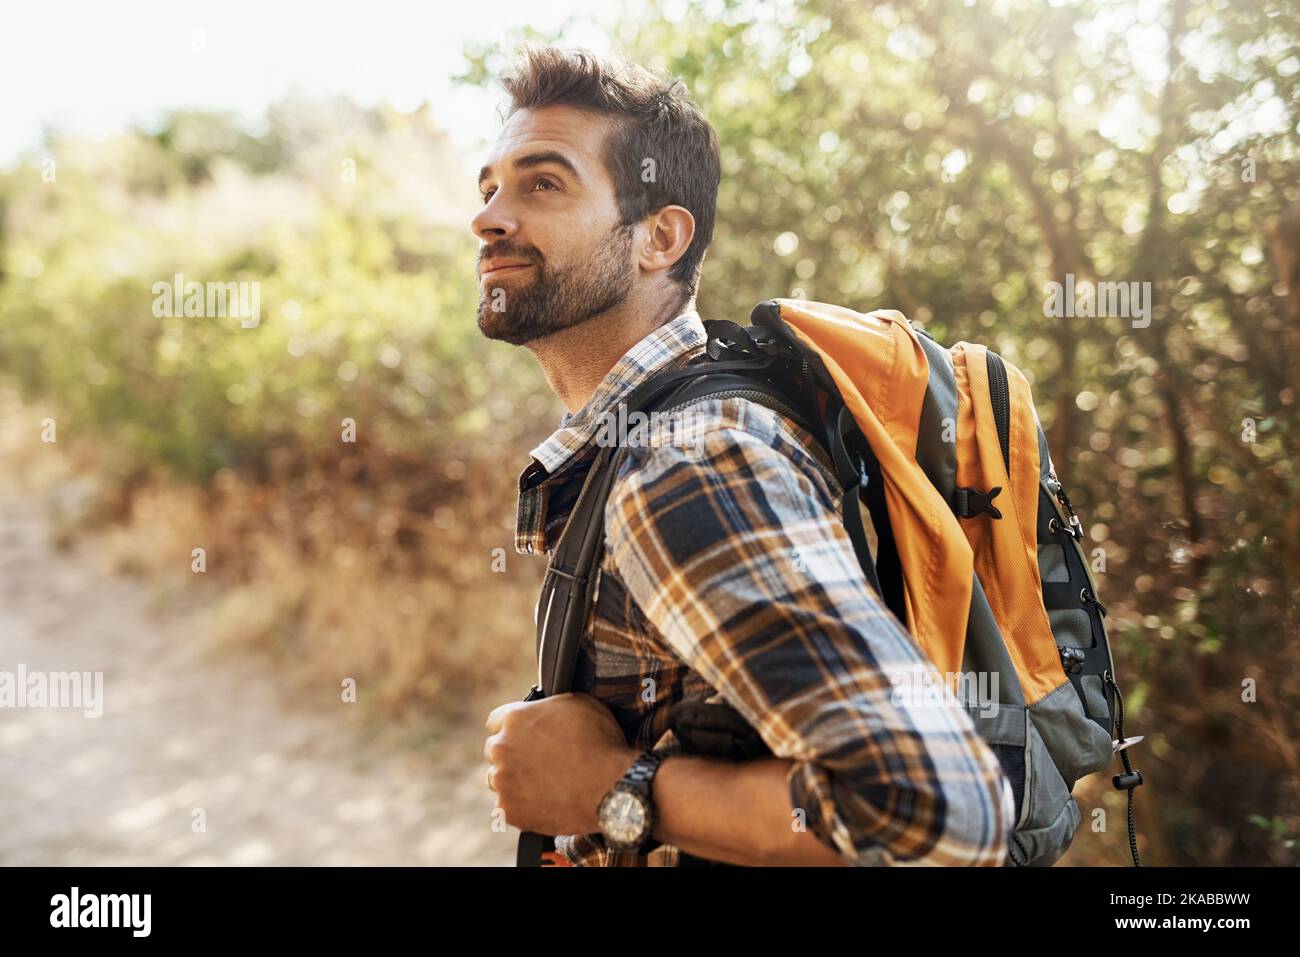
x=552 y=760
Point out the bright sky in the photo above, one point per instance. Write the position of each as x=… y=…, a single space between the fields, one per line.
x=93 y=67
x=89 y=66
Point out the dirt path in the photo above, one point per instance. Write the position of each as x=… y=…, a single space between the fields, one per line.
x=184 y=729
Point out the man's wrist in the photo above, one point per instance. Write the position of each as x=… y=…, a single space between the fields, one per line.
x=613 y=768
x=657 y=832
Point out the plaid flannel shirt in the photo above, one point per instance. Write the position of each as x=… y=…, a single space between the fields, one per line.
x=727 y=572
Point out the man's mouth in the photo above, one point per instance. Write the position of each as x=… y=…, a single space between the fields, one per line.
x=504 y=270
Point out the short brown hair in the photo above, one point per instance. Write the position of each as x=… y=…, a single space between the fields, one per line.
x=657 y=120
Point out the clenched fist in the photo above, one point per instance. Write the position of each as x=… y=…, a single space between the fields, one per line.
x=552 y=760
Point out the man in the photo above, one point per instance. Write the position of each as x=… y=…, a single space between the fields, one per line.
x=726 y=571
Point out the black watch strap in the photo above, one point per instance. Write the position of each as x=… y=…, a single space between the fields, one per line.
x=640 y=775
x=639 y=778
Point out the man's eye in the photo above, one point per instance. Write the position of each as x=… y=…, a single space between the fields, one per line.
x=487 y=194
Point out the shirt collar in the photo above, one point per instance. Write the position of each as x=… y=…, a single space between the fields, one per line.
x=673 y=342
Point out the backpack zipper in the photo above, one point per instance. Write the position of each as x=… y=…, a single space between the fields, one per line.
x=754 y=395
x=767 y=400
x=1000 y=396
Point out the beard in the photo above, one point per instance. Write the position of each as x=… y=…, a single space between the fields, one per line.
x=558 y=298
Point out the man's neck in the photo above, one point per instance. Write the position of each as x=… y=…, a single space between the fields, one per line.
x=576 y=360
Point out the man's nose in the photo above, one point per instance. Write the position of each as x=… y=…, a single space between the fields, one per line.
x=494 y=221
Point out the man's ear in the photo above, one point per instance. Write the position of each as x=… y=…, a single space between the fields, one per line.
x=667 y=235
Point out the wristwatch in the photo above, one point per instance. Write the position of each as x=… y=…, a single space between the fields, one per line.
x=627 y=811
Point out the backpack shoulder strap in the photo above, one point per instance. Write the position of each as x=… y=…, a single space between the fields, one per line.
x=856 y=474
x=569 y=585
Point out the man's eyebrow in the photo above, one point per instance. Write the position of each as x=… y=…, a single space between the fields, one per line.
x=537 y=159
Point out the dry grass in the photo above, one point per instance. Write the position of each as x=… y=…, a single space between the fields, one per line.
x=329 y=584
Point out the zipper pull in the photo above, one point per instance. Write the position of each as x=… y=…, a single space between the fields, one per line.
x=1076 y=526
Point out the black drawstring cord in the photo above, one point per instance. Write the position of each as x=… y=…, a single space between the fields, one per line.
x=1130 y=779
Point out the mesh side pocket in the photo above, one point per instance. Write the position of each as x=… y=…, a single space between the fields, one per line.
x=1071 y=627
x=1094 y=697
x=1051 y=563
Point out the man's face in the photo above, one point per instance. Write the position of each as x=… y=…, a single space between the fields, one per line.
x=553 y=254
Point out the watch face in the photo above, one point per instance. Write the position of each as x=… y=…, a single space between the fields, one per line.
x=623 y=817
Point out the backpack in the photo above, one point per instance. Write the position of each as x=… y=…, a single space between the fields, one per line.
x=978 y=548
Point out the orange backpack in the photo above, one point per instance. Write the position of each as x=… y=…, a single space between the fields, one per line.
x=977 y=547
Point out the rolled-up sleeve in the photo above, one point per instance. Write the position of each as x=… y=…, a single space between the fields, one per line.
x=731 y=544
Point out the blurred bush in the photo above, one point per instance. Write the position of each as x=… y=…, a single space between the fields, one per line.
x=366 y=558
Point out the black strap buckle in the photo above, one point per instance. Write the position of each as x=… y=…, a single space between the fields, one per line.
x=969 y=502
